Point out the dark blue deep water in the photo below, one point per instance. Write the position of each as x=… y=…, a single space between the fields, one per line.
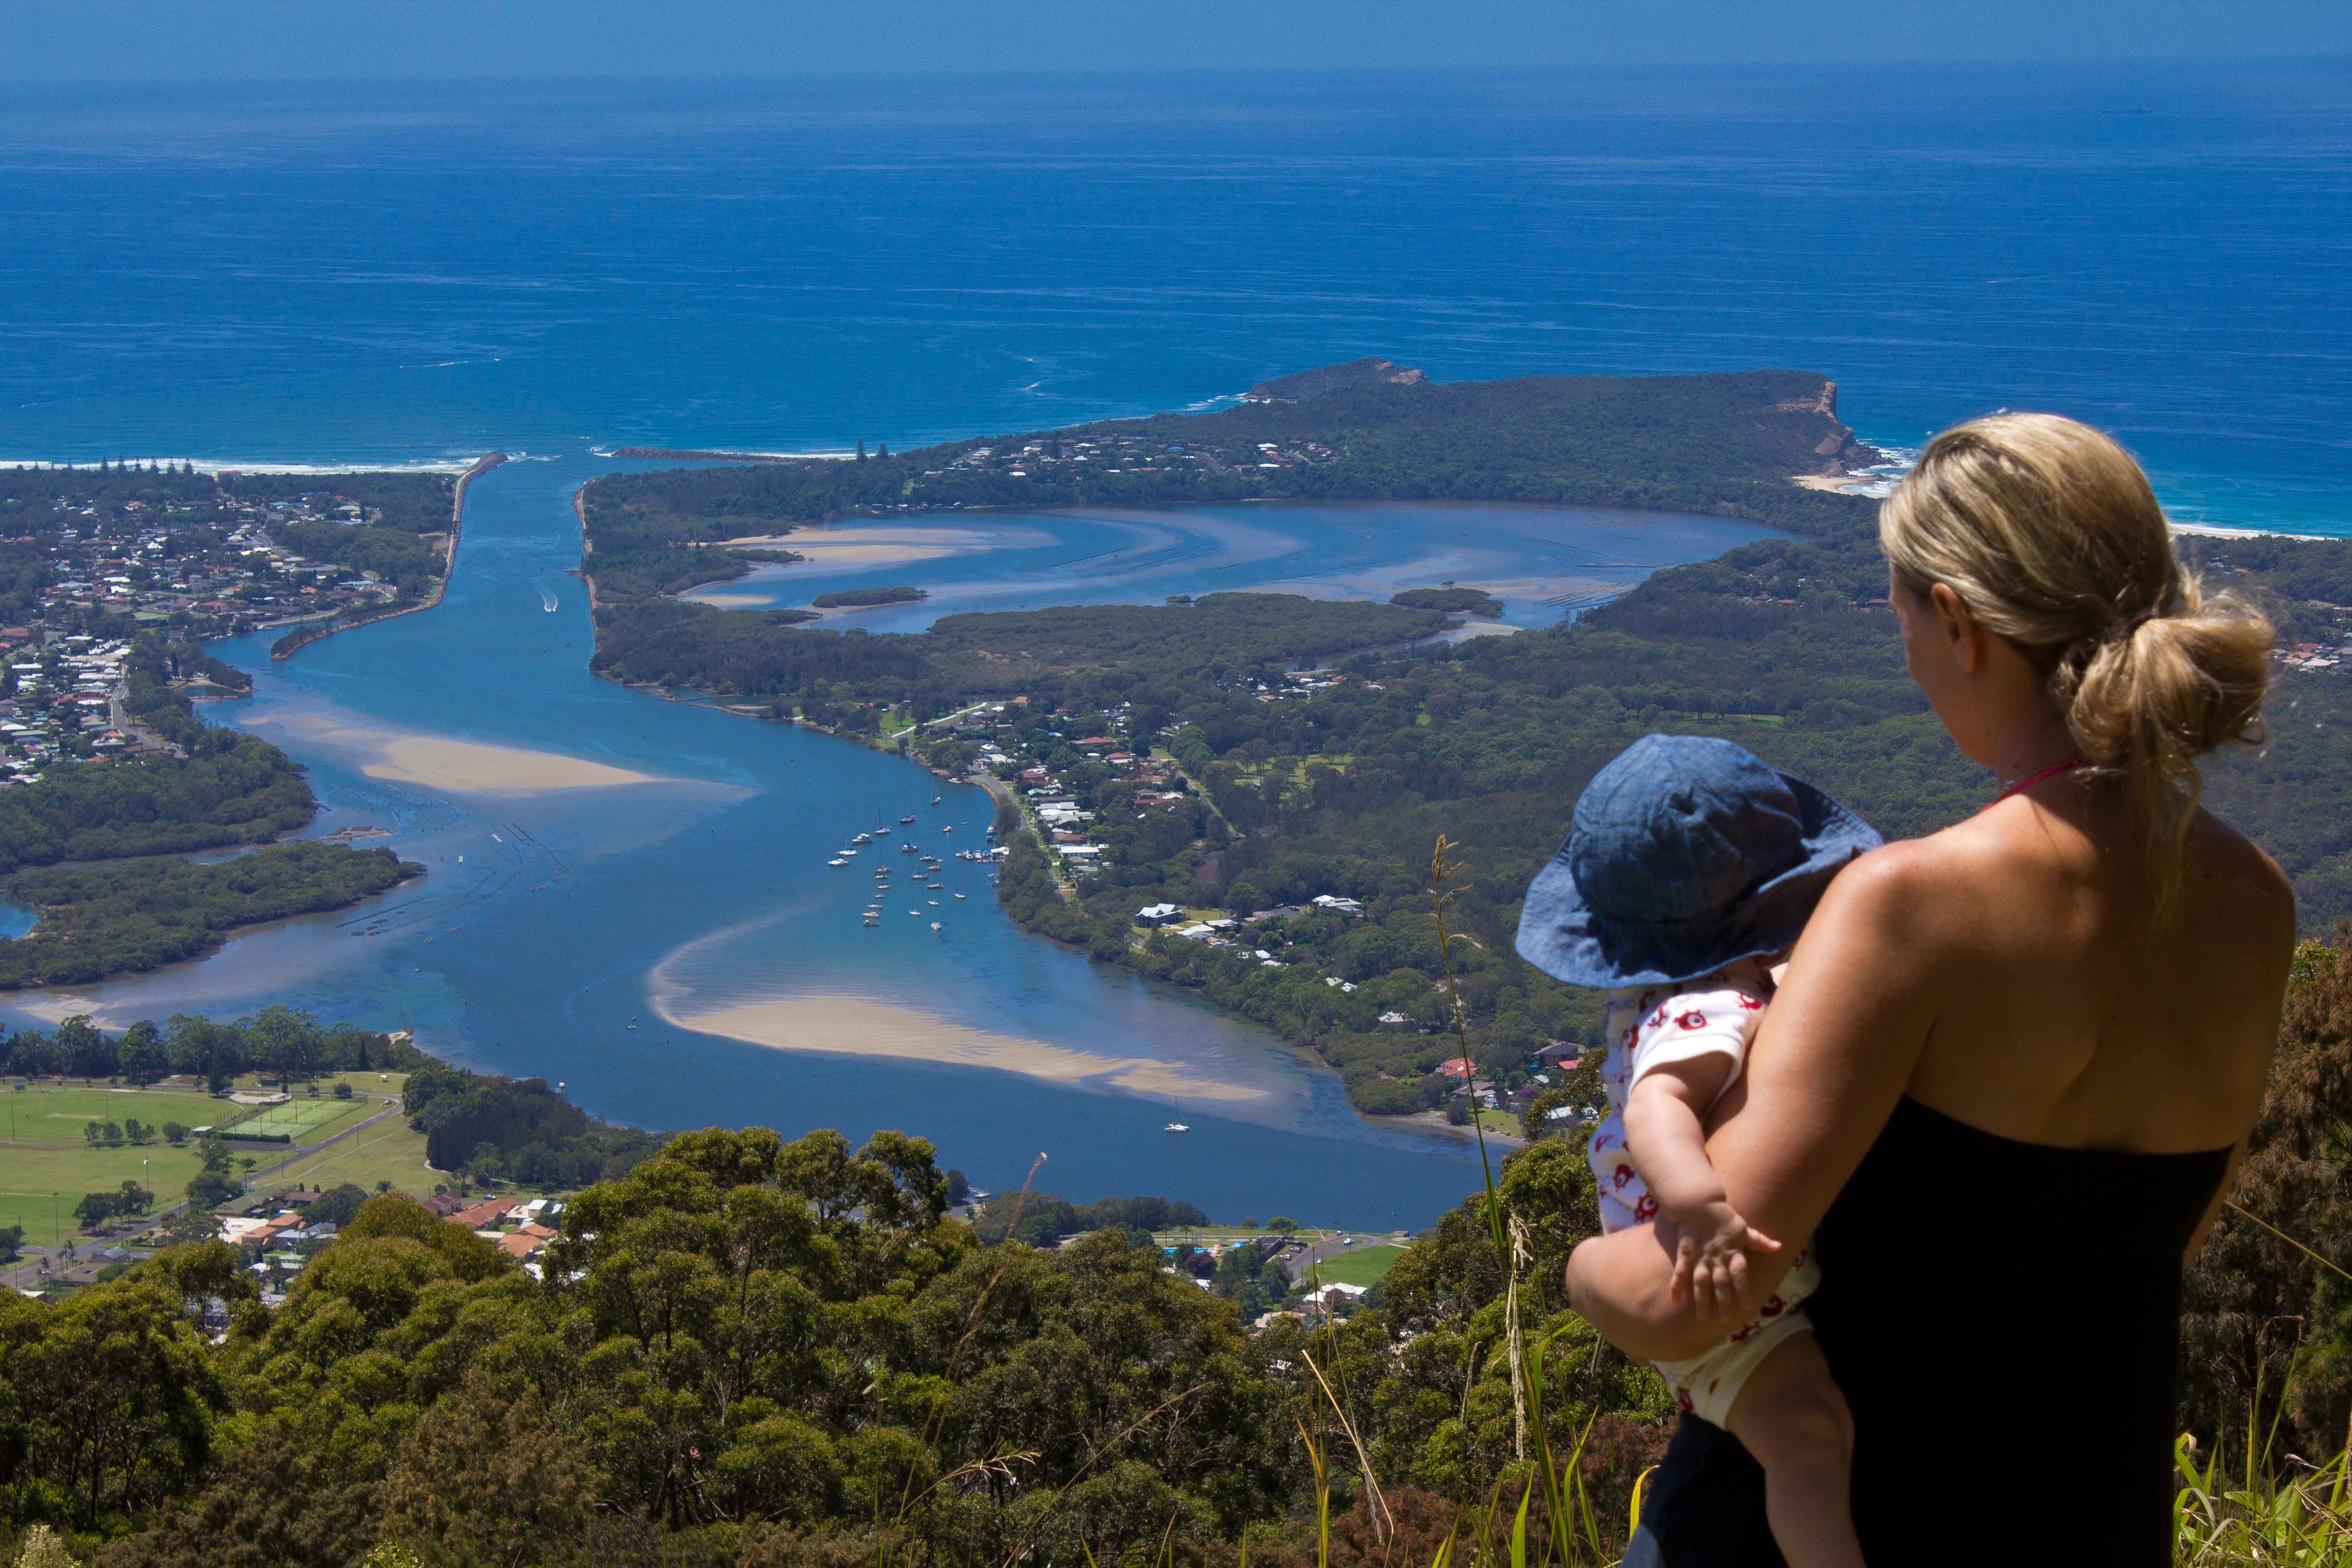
x=383 y=273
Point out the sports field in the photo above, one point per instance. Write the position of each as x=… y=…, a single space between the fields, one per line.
x=1366 y=1266
x=303 y=1119
x=47 y=1163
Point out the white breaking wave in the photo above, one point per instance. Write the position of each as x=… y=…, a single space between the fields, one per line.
x=231 y=464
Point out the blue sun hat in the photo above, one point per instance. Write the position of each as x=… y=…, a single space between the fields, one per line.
x=1683 y=855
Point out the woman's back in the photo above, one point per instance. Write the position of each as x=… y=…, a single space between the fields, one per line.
x=2077 y=1321
x=2067 y=1013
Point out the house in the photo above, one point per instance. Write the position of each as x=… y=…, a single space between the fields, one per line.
x=1352 y=908
x=1279 y=912
x=488 y=1212
x=525 y=1242
x=1565 y=1055
x=444 y=1204
x=1157 y=914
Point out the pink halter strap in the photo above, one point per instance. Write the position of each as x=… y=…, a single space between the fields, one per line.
x=2029 y=779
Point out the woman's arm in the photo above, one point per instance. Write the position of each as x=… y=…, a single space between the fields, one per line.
x=1832 y=1059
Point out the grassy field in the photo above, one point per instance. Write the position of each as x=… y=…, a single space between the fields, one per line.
x=1366 y=1266
x=47 y=1164
x=391 y=1151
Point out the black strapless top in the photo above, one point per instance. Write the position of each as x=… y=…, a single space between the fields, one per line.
x=2004 y=1319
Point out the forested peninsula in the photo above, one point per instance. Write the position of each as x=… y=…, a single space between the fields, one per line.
x=1723 y=445
x=1181 y=758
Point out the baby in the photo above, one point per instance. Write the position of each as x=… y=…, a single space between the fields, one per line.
x=1688 y=871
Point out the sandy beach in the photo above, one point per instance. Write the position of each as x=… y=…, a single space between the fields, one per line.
x=464 y=767
x=858 y=1027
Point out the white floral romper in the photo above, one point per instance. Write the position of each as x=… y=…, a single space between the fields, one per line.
x=1646 y=1030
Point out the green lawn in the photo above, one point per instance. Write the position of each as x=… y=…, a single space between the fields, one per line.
x=391 y=1151
x=1366 y=1266
x=47 y=1164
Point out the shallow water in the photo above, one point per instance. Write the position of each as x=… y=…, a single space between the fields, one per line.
x=1541 y=561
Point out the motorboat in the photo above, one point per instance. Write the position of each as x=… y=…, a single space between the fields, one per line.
x=935 y=925
x=1176 y=1127
x=863 y=838
x=836 y=860
x=906 y=820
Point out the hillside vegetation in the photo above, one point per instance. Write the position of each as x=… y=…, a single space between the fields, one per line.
x=749 y=1353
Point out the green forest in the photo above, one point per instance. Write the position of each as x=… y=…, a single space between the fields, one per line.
x=125 y=916
x=749 y=1353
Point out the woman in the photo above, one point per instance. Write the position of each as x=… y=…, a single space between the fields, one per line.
x=2012 y=1063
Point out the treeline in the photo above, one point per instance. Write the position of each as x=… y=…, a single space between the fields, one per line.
x=488 y=1128
x=1724 y=444
x=128 y=917
x=1041 y=1219
x=761 y=655
x=278 y=1041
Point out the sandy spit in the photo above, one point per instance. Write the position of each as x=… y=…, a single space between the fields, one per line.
x=860 y=1026
x=463 y=767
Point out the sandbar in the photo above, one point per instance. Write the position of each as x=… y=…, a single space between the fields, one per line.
x=463 y=767
x=840 y=548
x=861 y=1026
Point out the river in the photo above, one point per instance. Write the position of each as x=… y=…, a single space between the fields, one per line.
x=629 y=894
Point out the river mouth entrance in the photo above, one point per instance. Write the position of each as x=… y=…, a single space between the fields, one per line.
x=631 y=895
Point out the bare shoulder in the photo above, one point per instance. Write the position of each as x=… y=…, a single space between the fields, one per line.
x=2240 y=888
x=1902 y=885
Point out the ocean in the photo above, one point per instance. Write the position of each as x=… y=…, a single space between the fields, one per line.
x=392 y=273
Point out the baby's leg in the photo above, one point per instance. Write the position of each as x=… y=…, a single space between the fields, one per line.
x=1791 y=1418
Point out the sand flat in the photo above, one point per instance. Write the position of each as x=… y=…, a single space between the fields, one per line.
x=463 y=767
x=468 y=767
x=841 y=547
x=861 y=1026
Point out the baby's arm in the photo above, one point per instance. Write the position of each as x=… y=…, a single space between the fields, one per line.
x=1667 y=1140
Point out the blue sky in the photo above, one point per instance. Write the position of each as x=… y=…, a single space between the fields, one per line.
x=161 y=39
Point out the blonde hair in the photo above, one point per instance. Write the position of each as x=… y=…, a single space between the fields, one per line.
x=2050 y=534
